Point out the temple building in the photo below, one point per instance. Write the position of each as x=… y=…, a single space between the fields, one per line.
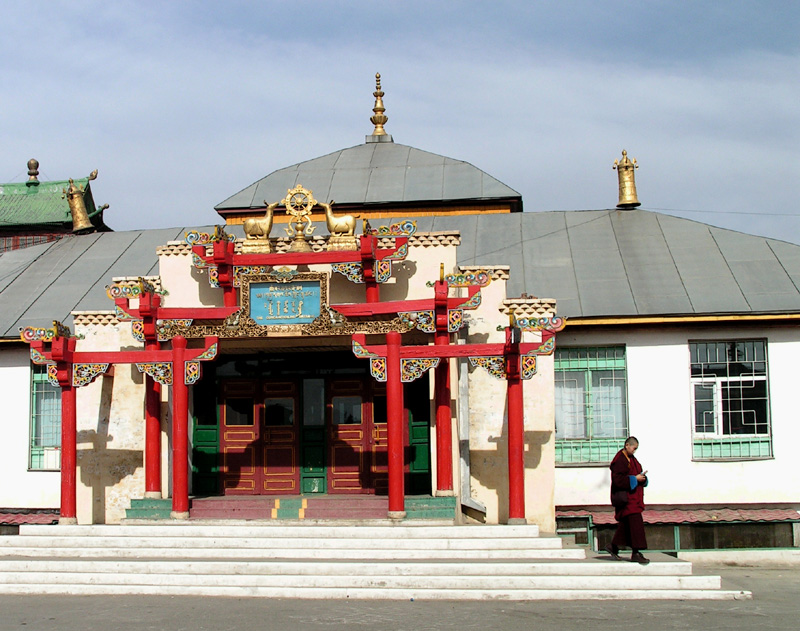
x=381 y=332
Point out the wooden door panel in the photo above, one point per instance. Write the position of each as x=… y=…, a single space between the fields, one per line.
x=281 y=473
x=238 y=439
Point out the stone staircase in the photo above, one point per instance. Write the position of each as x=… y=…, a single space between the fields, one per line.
x=316 y=559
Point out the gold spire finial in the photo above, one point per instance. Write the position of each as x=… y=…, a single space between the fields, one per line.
x=627 y=183
x=33 y=172
x=379 y=119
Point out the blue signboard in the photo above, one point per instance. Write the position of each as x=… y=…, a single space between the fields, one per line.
x=296 y=302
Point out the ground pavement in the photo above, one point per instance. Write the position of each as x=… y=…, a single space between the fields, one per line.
x=775 y=606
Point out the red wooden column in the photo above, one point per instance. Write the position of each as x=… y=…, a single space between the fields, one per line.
x=367 y=249
x=223 y=253
x=516 y=426
x=394 y=418
x=69 y=448
x=180 y=432
x=149 y=304
x=441 y=389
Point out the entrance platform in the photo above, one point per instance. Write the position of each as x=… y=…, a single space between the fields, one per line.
x=381 y=560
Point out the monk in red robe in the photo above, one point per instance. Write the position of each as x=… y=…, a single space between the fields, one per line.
x=627 y=495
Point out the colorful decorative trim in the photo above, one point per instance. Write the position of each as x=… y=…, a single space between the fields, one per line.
x=466 y=279
x=36 y=333
x=209 y=353
x=239 y=270
x=528 y=363
x=403 y=229
x=193 y=237
x=455 y=320
x=84 y=374
x=191 y=373
x=398 y=255
x=163 y=327
x=545 y=348
x=198 y=261
x=38 y=358
x=159 y=371
x=423 y=320
x=52 y=375
x=213 y=275
x=542 y=324
x=493 y=365
x=352 y=271
x=474 y=302
x=377 y=367
x=284 y=274
x=411 y=369
x=124 y=316
x=383 y=271
x=360 y=351
x=129 y=289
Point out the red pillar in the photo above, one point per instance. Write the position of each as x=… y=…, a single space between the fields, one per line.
x=394 y=418
x=444 y=441
x=68 y=513
x=152 y=453
x=516 y=426
x=180 y=432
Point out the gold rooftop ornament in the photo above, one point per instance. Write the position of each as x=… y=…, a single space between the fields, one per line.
x=256 y=231
x=77 y=206
x=299 y=202
x=627 y=182
x=379 y=118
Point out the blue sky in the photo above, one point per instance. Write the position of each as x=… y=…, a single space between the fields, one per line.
x=181 y=104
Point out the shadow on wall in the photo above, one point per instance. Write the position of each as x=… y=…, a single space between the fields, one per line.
x=100 y=467
x=490 y=467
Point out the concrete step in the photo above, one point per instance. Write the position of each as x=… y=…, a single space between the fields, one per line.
x=380 y=593
x=385 y=529
x=384 y=560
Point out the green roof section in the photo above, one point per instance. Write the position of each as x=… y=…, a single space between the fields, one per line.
x=24 y=204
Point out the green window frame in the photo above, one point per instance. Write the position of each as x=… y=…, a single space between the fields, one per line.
x=44 y=452
x=730 y=400
x=591 y=403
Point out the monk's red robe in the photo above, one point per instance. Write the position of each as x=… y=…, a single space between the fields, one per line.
x=630 y=532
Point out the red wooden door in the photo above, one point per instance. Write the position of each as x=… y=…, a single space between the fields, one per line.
x=357 y=437
x=239 y=437
x=259 y=438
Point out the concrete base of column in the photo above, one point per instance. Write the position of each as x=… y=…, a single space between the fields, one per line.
x=445 y=493
x=397 y=514
x=153 y=495
x=517 y=521
x=67 y=521
x=174 y=515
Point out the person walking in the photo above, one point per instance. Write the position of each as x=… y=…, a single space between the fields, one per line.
x=627 y=496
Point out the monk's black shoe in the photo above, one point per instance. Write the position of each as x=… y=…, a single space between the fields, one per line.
x=613 y=552
x=638 y=557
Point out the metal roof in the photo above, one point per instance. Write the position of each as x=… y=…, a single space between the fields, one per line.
x=595 y=263
x=22 y=205
x=375 y=173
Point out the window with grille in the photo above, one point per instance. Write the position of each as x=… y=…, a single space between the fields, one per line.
x=45 y=443
x=730 y=399
x=591 y=401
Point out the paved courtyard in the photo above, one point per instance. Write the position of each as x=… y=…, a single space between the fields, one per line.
x=775 y=605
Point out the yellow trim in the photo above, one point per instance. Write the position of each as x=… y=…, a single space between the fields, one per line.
x=680 y=319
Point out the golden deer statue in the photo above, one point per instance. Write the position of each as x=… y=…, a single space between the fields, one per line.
x=344 y=226
x=260 y=227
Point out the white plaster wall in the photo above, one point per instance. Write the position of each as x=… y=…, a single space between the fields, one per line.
x=110 y=423
x=660 y=416
x=21 y=488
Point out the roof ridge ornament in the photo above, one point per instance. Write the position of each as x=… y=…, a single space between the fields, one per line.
x=379 y=118
x=627 y=182
x=33 y=172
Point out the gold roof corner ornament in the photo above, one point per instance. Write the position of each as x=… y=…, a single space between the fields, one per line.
x=257 y=229
x=627 y=182
x=379 y=119
x=33 y=172
x=77 y=206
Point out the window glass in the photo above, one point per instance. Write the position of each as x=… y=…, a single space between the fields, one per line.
x=346 y=410
x=45 y=442
x=313 y=402
x=278 y=411
x=238 y=411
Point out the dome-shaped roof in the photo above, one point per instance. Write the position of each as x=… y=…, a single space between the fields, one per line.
x=376 y=173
